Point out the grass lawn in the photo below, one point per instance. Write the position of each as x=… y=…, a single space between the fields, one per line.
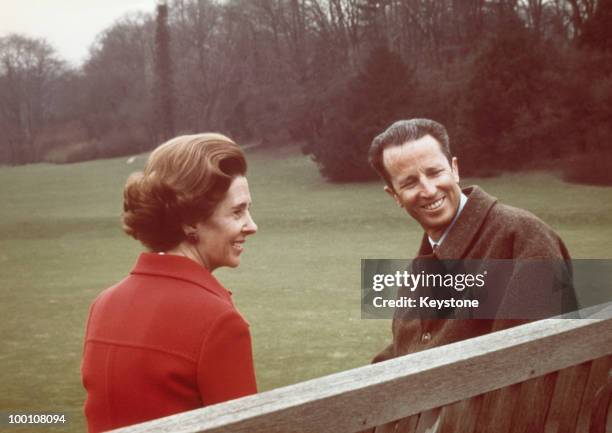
x=298 y=285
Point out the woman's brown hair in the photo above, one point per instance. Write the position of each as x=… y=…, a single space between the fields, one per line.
x=183 y=181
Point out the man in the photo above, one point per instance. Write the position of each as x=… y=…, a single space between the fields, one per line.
x=414 y=159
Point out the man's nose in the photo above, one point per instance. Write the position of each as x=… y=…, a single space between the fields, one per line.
x=428 y=187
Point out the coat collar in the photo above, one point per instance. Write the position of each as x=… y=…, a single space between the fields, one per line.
x=180 y=268
x=466 y=227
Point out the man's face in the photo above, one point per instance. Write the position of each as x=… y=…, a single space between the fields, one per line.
x=424 y=183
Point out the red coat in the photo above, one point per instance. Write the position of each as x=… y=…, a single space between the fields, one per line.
x=166 y=339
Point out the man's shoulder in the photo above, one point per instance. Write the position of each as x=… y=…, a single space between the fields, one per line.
x=489 y=213
x=514 y=216
x=515 y=231
x=531 y=235
x=516 y=219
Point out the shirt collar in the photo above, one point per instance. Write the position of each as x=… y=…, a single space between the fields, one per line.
x=467 y=227
x=462 y=201
x=179 y=268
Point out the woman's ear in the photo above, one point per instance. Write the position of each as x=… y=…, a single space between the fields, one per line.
x=191 y=233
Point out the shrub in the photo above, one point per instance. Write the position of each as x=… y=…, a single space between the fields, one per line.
x=510 y=109
x=354 y=113
x=72 y=152
x=115 y=143
x=590 y=169
x=125 y=141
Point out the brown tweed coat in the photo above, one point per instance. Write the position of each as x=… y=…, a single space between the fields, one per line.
x=485 y=229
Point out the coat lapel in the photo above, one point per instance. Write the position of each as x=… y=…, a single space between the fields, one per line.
x=466 y=228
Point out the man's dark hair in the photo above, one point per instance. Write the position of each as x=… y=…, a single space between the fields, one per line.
x=404 y=131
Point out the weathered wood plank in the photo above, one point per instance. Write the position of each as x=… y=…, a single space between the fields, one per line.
x=565 y=404
x=598 y=376
x=534 y=402
x=404 y=425
x=407 y=425
x=373 y=395
x=602 y=409
x=462 y=416
x=428 y=421
x=497 y=411
x=573 y=402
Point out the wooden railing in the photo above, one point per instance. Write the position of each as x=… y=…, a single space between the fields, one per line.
x=373 y=395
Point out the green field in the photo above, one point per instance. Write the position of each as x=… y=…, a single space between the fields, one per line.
x=298 y=285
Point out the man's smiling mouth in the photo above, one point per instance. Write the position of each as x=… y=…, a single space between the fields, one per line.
x=434 y=205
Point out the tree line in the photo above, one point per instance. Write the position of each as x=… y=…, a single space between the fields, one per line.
x=518 y=83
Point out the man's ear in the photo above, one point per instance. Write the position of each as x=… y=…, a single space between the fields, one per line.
x=455 y=168
x=393 y=195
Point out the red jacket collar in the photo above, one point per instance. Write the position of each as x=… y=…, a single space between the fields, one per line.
x=180 y=268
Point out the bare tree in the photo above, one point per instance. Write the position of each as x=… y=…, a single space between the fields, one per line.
x=118 y=78
x=581 y=11
x=164 y=84
x=28 y=68
x=198 y=80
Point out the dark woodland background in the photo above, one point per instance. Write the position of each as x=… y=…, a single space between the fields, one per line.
x=520 y=84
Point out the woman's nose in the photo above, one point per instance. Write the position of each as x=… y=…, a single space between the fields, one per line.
x=250 y=227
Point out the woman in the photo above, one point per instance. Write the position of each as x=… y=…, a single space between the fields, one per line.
x=168 y=338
